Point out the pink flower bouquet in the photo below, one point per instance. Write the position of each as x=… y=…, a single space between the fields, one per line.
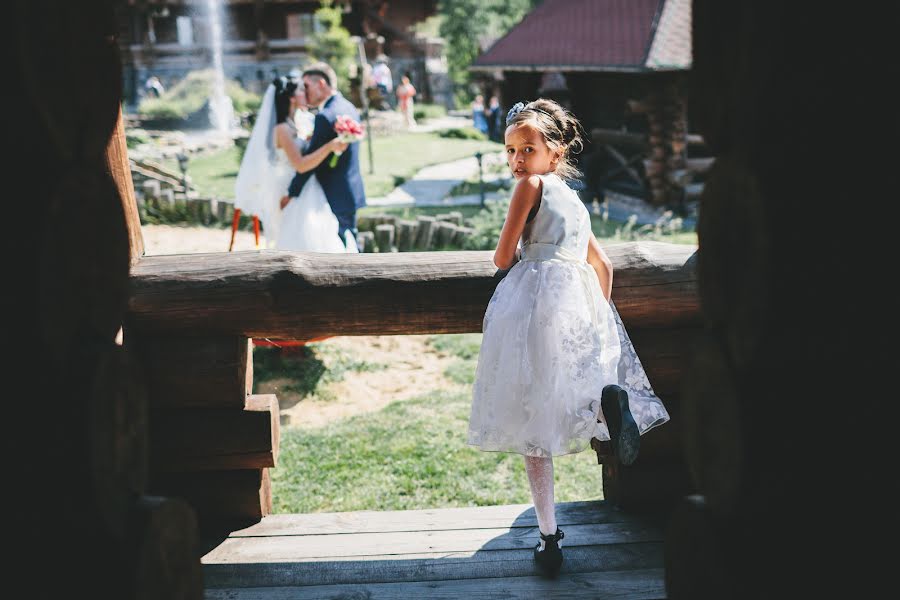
x=348 y=131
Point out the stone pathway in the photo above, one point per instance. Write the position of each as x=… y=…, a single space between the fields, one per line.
x=432 y=184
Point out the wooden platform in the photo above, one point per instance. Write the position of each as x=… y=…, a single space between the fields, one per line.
x=441 y=554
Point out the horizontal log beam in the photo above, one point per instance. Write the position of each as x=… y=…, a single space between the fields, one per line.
x=233 y=499
x=654 y=488
x=213 y=371
x=217 y=439
x=297 y=295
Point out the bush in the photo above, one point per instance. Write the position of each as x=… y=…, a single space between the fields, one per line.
x=487 y=224
x=190 y=95
x=135 y=137
x=429 y=111
x=462 y=133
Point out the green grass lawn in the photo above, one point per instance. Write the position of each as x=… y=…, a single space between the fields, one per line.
x=413 y=454
x=212 y=175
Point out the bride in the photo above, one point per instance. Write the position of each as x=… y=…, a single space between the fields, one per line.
x=272 y=158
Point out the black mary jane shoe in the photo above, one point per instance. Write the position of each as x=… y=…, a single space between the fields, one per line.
x=549 y=560
x=624 y=436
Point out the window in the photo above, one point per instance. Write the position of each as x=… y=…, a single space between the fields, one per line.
x=185 y=31
x=302 y=25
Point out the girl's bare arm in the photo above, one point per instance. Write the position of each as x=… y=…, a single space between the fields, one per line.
x=598 y=259
x=525 y=196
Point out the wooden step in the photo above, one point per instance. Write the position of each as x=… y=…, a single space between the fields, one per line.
x=643 y=584
x=366 y=551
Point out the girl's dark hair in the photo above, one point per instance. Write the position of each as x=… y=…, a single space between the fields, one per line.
x=561 y=130
x=285 y=87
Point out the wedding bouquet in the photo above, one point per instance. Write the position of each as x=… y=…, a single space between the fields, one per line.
x=348 y=131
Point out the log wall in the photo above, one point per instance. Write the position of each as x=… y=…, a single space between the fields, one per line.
x=787 y=437
x=80 y=521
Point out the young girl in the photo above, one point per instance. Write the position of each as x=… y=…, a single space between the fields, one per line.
x=556 y=367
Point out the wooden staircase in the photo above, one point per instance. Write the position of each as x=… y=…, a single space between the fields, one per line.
x=451 y=553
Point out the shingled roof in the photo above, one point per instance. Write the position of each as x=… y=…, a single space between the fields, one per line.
x=596 y=35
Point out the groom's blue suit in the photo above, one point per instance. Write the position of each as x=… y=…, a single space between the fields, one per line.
x=343 y=184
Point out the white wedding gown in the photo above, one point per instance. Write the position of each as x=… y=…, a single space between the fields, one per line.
x=307 y=223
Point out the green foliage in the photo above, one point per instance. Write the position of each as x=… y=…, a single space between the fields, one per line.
x=487 y=225
x=462 y=133
x=190 y=94
x=136 y=137
x=468 y=188
x=667 y=228
x=422 y=111
x=332 y=44
x=464 y=23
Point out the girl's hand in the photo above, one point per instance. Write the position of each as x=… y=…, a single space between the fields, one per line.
x=337 y=145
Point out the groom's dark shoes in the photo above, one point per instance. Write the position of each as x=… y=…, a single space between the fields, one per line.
x=624 y=436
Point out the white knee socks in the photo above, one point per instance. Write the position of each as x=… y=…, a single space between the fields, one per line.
x=540 y=477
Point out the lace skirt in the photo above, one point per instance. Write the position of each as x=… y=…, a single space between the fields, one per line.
x=551 y=344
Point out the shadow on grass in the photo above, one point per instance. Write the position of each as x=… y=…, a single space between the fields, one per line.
x=299 y=363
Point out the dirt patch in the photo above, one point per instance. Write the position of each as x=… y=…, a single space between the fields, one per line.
x=412 y=367
x=177 y=239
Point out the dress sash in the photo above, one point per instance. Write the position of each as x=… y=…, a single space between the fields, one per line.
x=537 y=251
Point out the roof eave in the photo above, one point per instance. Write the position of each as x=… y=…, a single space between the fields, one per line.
x=585 y=68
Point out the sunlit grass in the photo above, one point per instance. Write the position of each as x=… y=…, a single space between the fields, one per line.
x=413 y=454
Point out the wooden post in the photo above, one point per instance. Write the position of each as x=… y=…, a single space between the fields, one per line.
x=120 y=169
x=406 y=232
x=424 y=232
x=384 y=237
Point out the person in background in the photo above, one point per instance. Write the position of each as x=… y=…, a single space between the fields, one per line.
x=493 y=119
x=384 y=82
x=154 y=87
x=405 y=94
x=479 y=121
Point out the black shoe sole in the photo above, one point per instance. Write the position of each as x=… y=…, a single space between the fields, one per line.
x=624 y=435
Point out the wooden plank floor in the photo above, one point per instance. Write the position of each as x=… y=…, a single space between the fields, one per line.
x=471 y=553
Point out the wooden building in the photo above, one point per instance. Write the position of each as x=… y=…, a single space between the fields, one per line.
x=620 y=66
x=263 y=38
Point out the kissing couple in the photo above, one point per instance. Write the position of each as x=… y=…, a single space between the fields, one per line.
x=305 y=202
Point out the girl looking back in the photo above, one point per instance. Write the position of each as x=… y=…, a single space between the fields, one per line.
x=554 y=349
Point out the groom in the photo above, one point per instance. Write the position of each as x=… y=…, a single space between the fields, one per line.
x=342 y=183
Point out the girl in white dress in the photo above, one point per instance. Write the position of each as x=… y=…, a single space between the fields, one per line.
x=556 y=367
x=272 y=158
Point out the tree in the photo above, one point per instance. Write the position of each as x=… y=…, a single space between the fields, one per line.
x=466 y=24
x=332 y=44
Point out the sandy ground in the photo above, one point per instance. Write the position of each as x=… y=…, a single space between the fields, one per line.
x=176 y=239
x=413 y=367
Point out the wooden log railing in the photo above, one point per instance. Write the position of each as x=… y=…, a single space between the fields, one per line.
x=190 y=319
